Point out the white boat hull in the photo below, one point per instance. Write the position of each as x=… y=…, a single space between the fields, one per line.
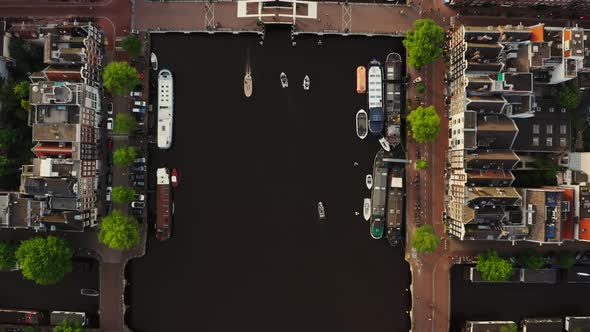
x=284 y=80
x=365 y=123
x=384 y=144
x=154 y=61
x=369 y=181
x=248 y=85
x=306 y=83
x=367 y=209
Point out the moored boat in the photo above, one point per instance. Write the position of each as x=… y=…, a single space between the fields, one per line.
x=284 y=80
x=395 y=205
x=375 y=96
x=154 y=61
x=367 y=209
x=377 y=228
x=361 y=79
x=165 y=108
x=378 y=196
x=248 y=85
x=384 y=144
x=306 y=82
x=174 y=177
x=163 y=205
x=362 y=124
x=393 y=66
x=369 y=181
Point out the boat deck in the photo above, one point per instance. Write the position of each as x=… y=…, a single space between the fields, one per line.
x=395 y=199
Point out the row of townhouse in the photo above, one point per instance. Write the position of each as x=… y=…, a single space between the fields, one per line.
x=568 y=324
x=560 y=4
x=502 y=117
x=59 y=189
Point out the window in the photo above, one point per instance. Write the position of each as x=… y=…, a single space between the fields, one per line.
x=549 y=129
x=563 y=129
x=562 y=142
x=535 y=140
x=535 y=129
x=549 y=141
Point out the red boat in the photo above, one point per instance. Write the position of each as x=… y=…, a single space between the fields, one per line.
x=175 y=177
x=164 y=205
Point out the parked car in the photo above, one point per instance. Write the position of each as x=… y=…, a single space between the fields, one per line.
x=137 y=176
x=109 y=179
x=110 y=109
x=139 y=197
x=139 y=103
x=138 y=168
x=109 y=193
x=139 y=183
x=138 y=110
x=137 y=212
x=135 y=94
x=141 y=160
x=417 y=80
x=138 y=205
x=110 y=143
x=88 y=292
x=110 y=122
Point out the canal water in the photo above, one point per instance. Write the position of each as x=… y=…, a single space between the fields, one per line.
x=248 y=251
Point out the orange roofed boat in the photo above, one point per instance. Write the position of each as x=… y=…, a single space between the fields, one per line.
x=361 y=79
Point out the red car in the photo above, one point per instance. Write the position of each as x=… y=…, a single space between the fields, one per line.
x=110 y=143
x=141 y=76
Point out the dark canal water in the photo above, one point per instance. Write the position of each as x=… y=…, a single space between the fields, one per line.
x=504 y=301
x=248 y=251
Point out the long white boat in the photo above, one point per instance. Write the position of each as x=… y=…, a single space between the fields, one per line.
x=165 y=108
x=367 y=209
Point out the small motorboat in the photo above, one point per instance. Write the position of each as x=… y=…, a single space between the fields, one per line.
x=362 y=124
x=321 y=211
x=174 y=177
x=369 y=181
x=284 y=80
x=384 y=144
x=248 y=85
x=154 y=61
x=367 y=209
x=361 y=79
x=306 y=83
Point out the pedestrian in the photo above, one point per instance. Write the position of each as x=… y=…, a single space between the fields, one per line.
x=356 y=164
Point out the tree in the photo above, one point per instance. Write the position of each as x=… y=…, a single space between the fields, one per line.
x=6 y=166
x=31 y=329
x=424 y=123
x=510 y=328
x=21 y=89
x=25 y=104
x=132 y=45
x=120 y=78
x=122 y=194
x=566 y=259
x=530 y=259
x=45 y=260
x=7 y=138
x=424 y=43
x=420 y=87
x=425 y=240
x=119 y=231
x=7 y=256
x=569 y=96
x=124 y=124
x=421 y=164
x=68 y=326
x=124 y=155
x=492 y=267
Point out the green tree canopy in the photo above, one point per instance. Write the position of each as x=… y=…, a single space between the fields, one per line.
x=31 y=329
x=132 y=45
x=7 y=256
x=421 y=164
x=123 y=194
x=510 y=328
x=21 y=89
x=569 y=96
x=124 y=155
x=425 y=240
x=566 y=259
x=492 y=267
x=120 y=78
x=424 y=123
x=124 y=124
x=45 y=260
x=68 y=326
x=6 y=166
x=119 y=231
x=530 y=259
x=424 y=43
x=7 y=138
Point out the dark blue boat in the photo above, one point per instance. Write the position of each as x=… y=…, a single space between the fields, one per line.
x=376 y=118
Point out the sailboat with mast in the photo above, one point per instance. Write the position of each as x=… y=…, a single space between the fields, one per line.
x=248 y=79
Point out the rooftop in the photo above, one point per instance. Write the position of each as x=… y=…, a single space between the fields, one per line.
x=60 y=187
x=19 y=212
x=55 y=132
x=542 y=208
x=55 y=93
x=542 y=325
x=573 y=323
